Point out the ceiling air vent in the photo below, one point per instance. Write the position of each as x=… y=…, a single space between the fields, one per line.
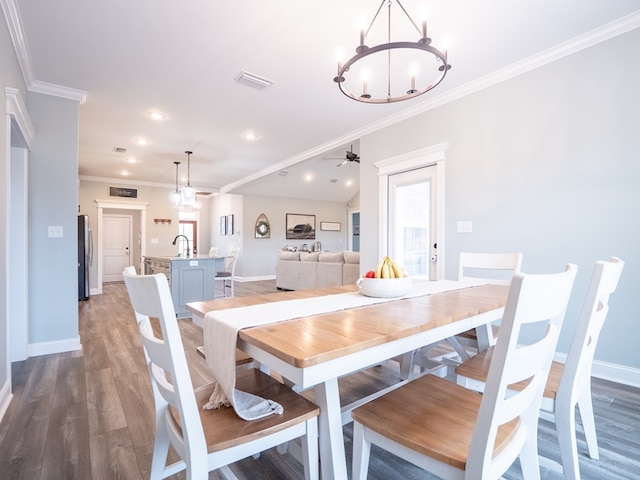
x=283 y=173
x=333 y=180
x=254 y=81
x=119 y=150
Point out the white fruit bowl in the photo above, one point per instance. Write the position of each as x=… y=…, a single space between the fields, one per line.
x=384 y=287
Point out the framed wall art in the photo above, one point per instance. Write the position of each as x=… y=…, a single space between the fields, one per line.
x=330 y=226
x=223 y=225
x=300 y=226
x=263 y=229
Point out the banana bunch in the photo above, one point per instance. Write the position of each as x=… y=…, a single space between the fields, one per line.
x=387 y=268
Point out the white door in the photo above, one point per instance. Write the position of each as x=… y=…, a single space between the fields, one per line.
x=117 y=246
x=412 y=236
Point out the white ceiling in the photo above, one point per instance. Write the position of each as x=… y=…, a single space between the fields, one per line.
x=181 y=58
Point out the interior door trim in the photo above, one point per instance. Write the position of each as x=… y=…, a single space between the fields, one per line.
x=123 y=205
x=425 y=157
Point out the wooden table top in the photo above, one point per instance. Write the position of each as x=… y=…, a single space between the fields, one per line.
x=307 y=341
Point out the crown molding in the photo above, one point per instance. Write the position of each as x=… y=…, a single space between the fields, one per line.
x=14 y=24
x=200 y=191
x=124 y=181
x=79 y=96
x=18 y=112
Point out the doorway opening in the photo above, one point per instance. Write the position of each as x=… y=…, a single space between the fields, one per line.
x=142 y=235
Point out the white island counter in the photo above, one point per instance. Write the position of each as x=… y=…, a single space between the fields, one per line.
x=191 y=279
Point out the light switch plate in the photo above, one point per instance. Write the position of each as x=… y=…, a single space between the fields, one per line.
x=464 y=227
x=55 y=231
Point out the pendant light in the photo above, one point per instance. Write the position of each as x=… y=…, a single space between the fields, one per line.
x=176 y=197
x=188 y=192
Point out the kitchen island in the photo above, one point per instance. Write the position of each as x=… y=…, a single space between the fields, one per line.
x=191 y=279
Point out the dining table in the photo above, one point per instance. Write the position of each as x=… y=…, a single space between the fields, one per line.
x=314 y=351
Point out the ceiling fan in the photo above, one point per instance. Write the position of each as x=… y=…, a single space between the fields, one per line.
x=349 y=157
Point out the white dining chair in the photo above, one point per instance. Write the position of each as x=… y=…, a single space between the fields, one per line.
x=207 y=440
x=568 y=385
x=456 y=433
x=226 y=276
x=213 y=251
x=494 y=268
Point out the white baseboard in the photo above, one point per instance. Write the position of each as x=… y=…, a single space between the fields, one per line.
x=612 y=372
x=5 y=398
x=59 y=346
x=616 y=373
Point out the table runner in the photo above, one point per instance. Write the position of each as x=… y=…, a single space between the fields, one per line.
x=221 y=332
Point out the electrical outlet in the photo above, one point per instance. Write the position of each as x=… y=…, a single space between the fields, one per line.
x=55 y=232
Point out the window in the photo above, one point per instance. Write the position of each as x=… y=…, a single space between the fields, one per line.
x=188 y=228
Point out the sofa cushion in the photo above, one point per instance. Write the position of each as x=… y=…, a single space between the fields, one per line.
x=291 y=256
x=309 y=257
x=329 y=274
x=331 y=257
x=352 y=257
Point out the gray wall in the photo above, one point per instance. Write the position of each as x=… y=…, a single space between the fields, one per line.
x=53 y=190
x=546 y=163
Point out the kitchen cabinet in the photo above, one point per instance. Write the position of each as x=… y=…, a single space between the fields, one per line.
x=190 y=279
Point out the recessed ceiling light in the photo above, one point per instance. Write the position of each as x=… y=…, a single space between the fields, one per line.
x=156 y=116
x=142 y=141
x=131 y=160
x=308 y=177
x=349 y=183
x=124 y=173
x=250 y=136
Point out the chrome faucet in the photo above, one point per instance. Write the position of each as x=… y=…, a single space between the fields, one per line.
x=186 y=239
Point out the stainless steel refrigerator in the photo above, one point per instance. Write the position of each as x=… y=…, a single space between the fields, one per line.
x=85 y=256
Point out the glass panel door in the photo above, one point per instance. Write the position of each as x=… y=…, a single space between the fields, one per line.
x=412 y=235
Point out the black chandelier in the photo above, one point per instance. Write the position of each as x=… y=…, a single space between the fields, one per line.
x=407 y=55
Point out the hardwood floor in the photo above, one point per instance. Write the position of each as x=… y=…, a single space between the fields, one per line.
x=89 y=414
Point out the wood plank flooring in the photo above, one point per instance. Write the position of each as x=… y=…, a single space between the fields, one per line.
x=89 y=414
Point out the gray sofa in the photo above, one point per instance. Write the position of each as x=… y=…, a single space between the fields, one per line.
x=304 y=270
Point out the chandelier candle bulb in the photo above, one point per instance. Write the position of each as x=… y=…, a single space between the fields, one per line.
x=413 y=85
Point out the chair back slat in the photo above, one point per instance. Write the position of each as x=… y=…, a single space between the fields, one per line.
x=496 y=268
x=577 y=368
x=526 y=360
x=230 y=261
x=532 y=299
